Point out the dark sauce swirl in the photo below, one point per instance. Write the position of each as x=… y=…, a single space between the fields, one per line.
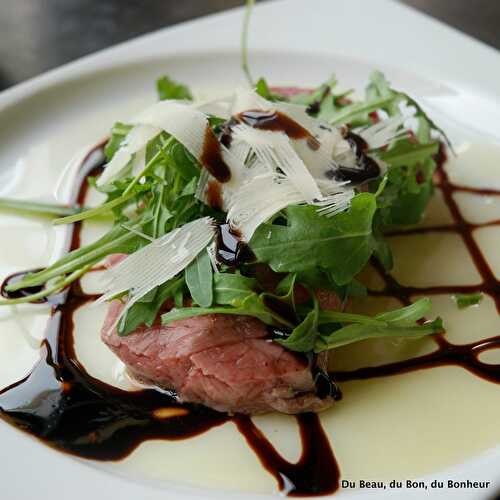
x=276 y=121
x=14 y=278
x=367 y=168
x=212 y=159
x=447 y=353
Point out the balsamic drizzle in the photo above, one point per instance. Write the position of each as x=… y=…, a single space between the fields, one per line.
x=276 y=121
x=214 y=195
x=367 y=167
x=316 y=473
x=65 y=407
x=230 y=249
x=23 y=292
x=211 y=157
x=447 y=353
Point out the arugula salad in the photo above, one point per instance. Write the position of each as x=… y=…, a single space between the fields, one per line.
x=306 y=184
x=254 y=205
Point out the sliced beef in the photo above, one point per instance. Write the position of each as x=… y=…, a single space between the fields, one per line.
x=221 y=361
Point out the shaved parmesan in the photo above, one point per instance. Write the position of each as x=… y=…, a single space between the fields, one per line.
x=335 y=203
x=269 y=170
x=245 y=99
x=384 y=132
x=157 y=262
x=182 y=121
x=259 y=200
x=333 y=148
x=274 y=149
x=218 y=107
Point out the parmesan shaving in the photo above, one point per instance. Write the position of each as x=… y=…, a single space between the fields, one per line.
x=259 y=200
x=384 y=132
x=335 y=203
x=274 y=149
x=157 y=262
x=245 y=99
x=182 y=121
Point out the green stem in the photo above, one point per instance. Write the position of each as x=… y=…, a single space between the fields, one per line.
x=149 y=165
x=46 y=292
x=349 y=112
x=244 y=42
x=96 y=253
x=39 y=208
x=341 y=317
x=93 y=212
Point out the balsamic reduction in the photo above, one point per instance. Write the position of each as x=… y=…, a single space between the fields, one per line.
x=211 y=157
x=367 y=167
x=277 y=122
x=325 y=386
x=23 y=292
x=316 y=473
x=214 y=195
x=465 y=356
x=230 y=249
x=314 y=108
x=226 y=132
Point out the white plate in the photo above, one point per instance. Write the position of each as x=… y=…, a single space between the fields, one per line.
x=45 y=121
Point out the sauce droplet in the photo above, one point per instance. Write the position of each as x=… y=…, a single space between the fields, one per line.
x=230 y=249
x=276 y=121
x=211 y=157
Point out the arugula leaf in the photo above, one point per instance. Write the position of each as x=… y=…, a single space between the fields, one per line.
x=409 y=186
x=262 y=88
x=170 y=89
x=406 y=154
x=118 y=134
x=464 y=300
x=310 y=335
x=401 y=317
x=379 y=87
x=251 y=306
x=342 y=243
x=318 y=95
x=397 y=323
x=233 y=289
x=183 y=162
x=316 y=278
x=407 y=315
x=303 y=337
x=326 y=317
x=37 y=208
x=146 y=310
x=382 y=85
x=359 y=109
x=357 y=332
x=199 y=279
x=382 y=251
